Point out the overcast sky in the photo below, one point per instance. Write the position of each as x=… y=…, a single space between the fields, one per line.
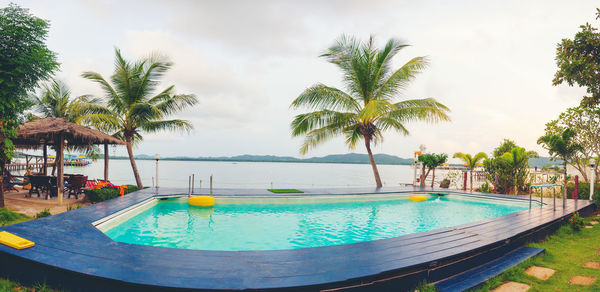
x=492 y=64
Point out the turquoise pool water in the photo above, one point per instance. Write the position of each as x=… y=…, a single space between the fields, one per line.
x=279 y=223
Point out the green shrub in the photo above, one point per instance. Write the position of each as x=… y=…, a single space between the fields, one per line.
x=7 y=216
x=107 y=193
x=584 y=191
x=44 y=213
x=576 y=221
x=486 y=188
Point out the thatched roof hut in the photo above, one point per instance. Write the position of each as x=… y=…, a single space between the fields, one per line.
x=56 y=132
x=36 y=133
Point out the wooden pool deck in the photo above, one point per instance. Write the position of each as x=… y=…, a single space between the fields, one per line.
x=71 y=253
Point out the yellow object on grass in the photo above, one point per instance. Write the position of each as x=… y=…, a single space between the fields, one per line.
x=417 y=198
x=202 y=201
x=14 y=241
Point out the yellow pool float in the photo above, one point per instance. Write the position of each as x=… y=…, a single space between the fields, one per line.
x=202 y=201
x=14 y=241
x=417 y=198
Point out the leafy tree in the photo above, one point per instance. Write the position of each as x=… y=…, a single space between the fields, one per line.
x=24 y=60
x=585 y=121
x=431 y=161
x=561 y=146
x=133 y=106
x=470 y=161
x=367 y=108
x=512 y=167
x=506 y=146
x=578 y=61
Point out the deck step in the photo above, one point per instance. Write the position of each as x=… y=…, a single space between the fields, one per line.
x=476 y=276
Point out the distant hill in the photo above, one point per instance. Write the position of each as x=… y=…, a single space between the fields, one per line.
x=352 y=158
x=540 y=162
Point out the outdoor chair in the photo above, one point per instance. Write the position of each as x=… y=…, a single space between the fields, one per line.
x=76 y=185
x=7 y=185
x=39 y=184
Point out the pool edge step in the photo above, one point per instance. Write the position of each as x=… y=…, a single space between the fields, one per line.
x=478 y=275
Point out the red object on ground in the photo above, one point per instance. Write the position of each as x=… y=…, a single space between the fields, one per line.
x=465 y=182
x=575 y=193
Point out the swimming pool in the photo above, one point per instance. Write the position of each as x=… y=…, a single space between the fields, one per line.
x=260 y=223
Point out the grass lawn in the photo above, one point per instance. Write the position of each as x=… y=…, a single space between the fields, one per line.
x=9 y=217
x=284 y=191
x=566 y=252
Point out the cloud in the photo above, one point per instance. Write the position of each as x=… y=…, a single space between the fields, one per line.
x=226 y=93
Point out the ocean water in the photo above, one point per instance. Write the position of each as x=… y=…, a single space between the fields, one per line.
x=273 y=224
x=250 y=174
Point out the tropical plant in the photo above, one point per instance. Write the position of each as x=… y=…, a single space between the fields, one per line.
x=367 y=108
x=585 y=122
x=133 y=106
x=431 y=161
x=510 y=172
x=24 y=60
x=561 y=146
x=578 y=62
x=486 y=188
x=470 y=161
x=517 y=160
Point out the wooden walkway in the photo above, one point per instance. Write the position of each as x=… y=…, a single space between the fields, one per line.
x=71 y=253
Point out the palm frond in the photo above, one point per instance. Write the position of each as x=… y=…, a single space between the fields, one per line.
x=304 y=123
x=166 y=125
x=320 y=96
x=401 y=78
x=176 y=103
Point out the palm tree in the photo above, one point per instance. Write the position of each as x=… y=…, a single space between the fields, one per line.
x=431 y=161
x=562 y=146
x=133 y=105
x=470 y=161
x=367 y=108
x=517 y=159
x=54 y=101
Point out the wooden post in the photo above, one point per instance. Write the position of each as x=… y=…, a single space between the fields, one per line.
x=59 y=162
x=45 y=166
x=105 y=162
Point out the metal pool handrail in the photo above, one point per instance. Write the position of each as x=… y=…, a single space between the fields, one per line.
x=542 y=186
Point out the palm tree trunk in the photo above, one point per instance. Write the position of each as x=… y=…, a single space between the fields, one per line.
x=138 y=181
x=373 y=165
x=565 y=187
x=1 y=185
x=423 y=176
x=471 y=179
x=433 y=177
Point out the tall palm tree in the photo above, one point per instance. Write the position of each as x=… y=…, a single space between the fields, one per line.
x=517 y=159
x=562 y=146
x=133 y=105
x=470 y=161
x=367 y=108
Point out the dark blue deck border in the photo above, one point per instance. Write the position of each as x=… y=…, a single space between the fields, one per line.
x=71 y=253
x=478 y=275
